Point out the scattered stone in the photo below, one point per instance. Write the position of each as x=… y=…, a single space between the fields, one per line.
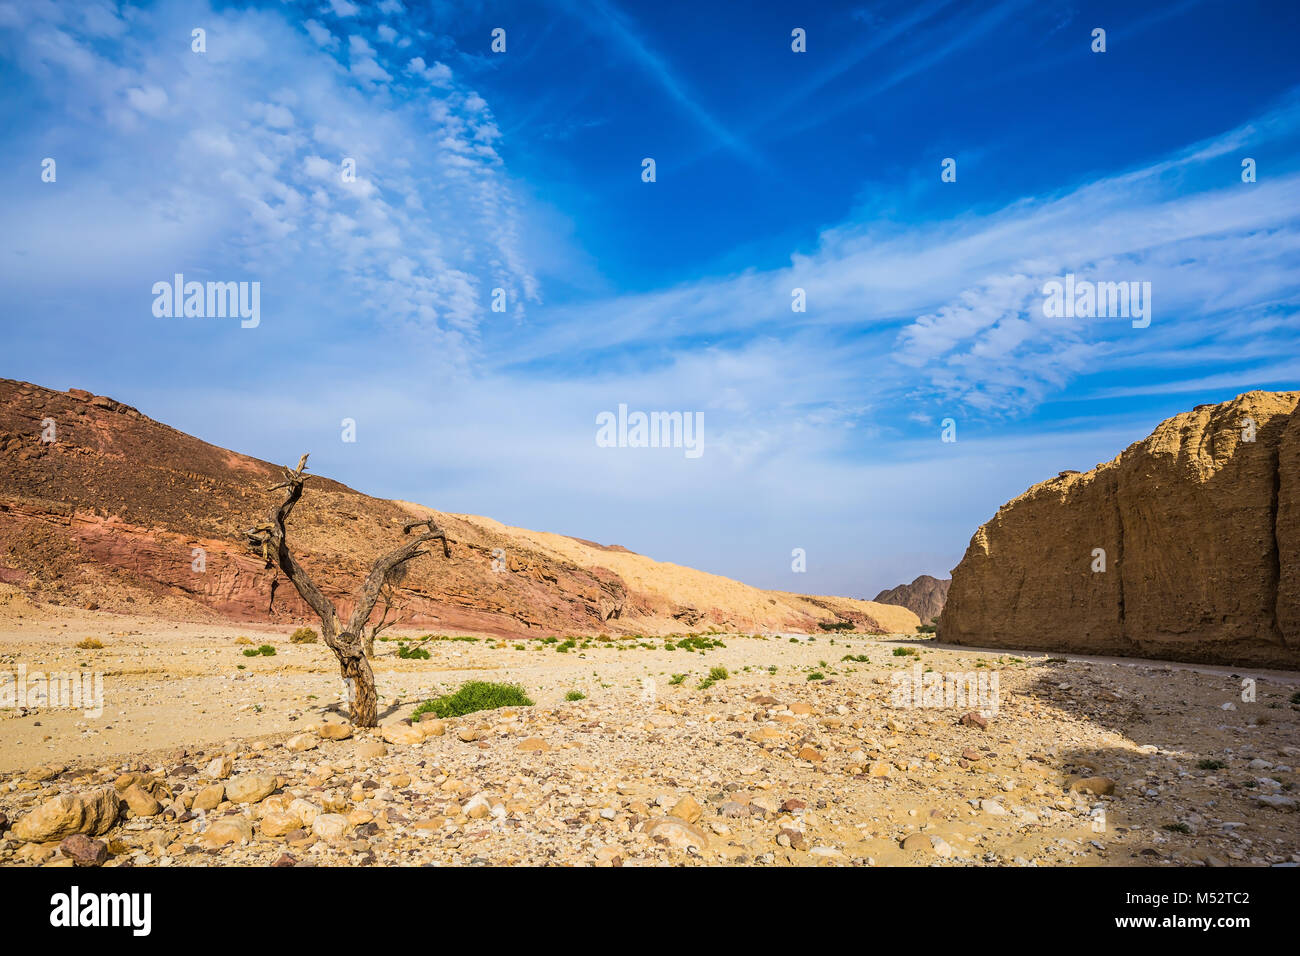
x=1101 y=786
x=686 y=809
x=371 y=749
x=227 y=830
x=83 y=851
x=139 y=802
x=209 y=798
x=249 y=788
x=677 y=833
x=299 y=743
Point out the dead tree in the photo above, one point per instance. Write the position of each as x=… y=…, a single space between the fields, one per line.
x=350 y=642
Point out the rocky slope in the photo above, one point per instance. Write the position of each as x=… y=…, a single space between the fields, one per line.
x=111 y=513
x=1200 y=529
x=924 y=597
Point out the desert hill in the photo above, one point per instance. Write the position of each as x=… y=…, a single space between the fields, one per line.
x=110 y=514
x=1198 y=526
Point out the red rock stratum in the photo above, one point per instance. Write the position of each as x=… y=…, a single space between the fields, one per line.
x=1200 y=529
x=109 y=516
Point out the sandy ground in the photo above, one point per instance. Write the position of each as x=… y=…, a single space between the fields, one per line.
x=784 y=767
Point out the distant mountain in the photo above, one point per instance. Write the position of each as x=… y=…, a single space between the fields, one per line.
x=924 y=597
x=102 y=507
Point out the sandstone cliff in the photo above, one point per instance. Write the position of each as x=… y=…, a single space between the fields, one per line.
x=924 y=597
x=1200 y=529
x=111 y=513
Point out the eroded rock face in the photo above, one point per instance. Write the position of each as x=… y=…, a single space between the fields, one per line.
x=1198 y=527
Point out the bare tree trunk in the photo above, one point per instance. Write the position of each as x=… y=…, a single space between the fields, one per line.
x=355 y=643
x=359 y=679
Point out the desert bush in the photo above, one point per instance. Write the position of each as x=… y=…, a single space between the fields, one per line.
x=575 y=695
x=836 y=625
x=266 y=650
x=412 y=653
x=473 y=696
x=90 y=644
x=304 y=635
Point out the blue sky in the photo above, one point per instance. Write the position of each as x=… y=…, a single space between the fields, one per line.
x=775 y=170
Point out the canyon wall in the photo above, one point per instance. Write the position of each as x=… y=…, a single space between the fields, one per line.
x=1197 y=528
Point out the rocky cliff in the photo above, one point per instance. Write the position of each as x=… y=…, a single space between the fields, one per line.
x=1186 y=546
x=119 y=512
x=924 y=597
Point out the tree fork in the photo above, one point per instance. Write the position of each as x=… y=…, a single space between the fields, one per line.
x=354 y=644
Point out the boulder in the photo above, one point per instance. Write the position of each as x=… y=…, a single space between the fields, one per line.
x=92 y=813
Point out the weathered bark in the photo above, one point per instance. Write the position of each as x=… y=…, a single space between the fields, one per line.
x=355 y=643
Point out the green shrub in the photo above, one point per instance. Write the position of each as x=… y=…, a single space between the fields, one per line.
x=304 y=635
x=816 y=675
x=575 y=695
x=412 y=653
x=473 y=696
x=1211 y=764
x=718 y=673
x=677 y=679
x=266 y=650
x=906 y=652
x=836 y=625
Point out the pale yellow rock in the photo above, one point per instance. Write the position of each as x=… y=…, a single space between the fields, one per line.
x=249 y=788
x=139 y=802
x=278 y=824
x=219 y=768
x=431 y=726
x=209 y=798
x=371 y=749
x=331 y=827
x=677 y=833
x=91 y=813
x=226 y=831
x=403 y=734
x=686 y=809
x=304 y=811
